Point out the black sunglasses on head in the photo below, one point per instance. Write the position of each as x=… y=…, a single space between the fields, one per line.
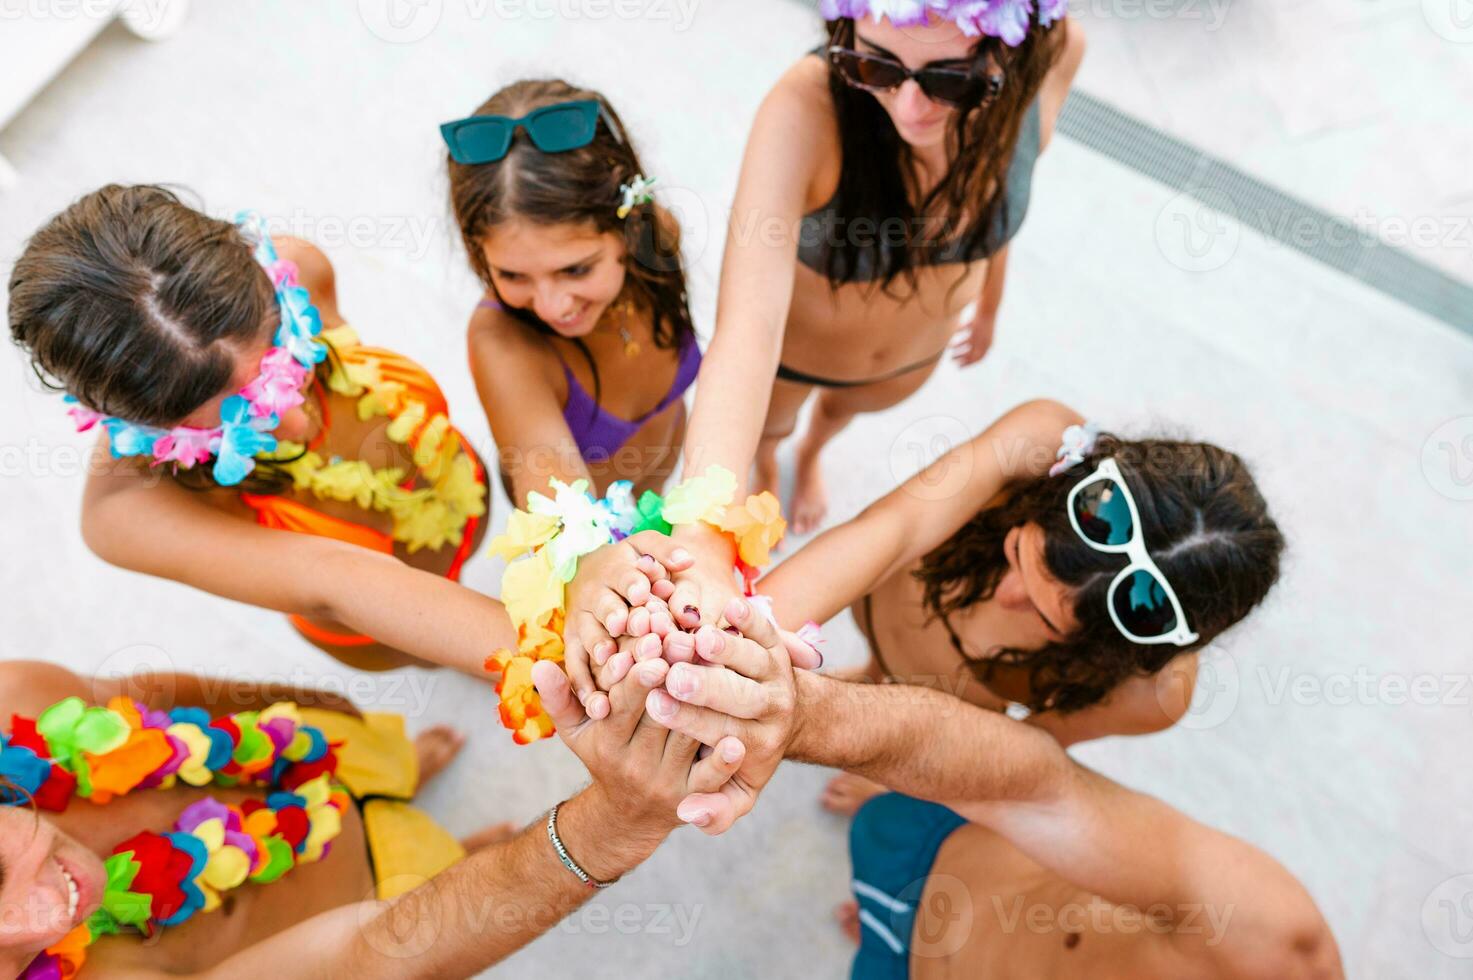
x=961 y=87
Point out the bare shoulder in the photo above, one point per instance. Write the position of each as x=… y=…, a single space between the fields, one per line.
x=796 y=130
x=315 y=271
x=28 y=687
x=502 y=347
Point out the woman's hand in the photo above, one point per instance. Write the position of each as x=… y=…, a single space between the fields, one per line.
x=705 y=584
x=972 y=341
x=617 y=592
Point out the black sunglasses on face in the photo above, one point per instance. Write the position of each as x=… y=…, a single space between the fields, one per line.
x=950 y=86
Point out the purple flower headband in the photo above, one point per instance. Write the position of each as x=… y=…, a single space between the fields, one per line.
x=247 y=417
x=1005 y=19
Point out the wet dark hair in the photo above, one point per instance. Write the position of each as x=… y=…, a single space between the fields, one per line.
x=576 y=187
x=137 y=304
x=969 y=202
x=1205 y=524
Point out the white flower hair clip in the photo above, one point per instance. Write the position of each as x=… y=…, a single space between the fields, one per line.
x=1079 y=442
x=640 y=191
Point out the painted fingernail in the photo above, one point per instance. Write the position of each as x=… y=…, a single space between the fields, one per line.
x=732 y=751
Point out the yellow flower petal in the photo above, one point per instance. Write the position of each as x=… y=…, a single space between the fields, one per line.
x=524 y=532
x=701 y=498
x=227 y=868
x=530 y=591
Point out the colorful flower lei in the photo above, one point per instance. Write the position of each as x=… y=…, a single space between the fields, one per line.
x=156 y=880
x=1005 y=19
x=543 y=543
x=426 y=516
x=247 y=417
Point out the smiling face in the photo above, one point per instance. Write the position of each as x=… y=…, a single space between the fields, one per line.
x=1039 y=608
x=49 y=884
x=919 y=120
x=566 y=274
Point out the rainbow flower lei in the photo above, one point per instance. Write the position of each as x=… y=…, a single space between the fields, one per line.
x=542 y=546
x=1005 y=19
x=157 y=880
x=247 y=417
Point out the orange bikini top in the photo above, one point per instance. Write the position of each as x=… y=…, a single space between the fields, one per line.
x=432 y=505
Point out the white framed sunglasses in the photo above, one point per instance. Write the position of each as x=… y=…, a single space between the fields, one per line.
x=1104 y=515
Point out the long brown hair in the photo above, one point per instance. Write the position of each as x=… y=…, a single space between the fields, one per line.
x=1205 y=524
x=579 y=187
x=876 y=178
x=136 y=303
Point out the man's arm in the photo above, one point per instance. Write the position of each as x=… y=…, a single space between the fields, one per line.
x=502 y=897
x=474 y=915
x=1124 y=846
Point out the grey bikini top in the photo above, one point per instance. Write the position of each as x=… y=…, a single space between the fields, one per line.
x=826 y=224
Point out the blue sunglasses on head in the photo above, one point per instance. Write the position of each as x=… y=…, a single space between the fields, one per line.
x=552 y=129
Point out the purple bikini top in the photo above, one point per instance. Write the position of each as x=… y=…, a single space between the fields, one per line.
x=599 y=433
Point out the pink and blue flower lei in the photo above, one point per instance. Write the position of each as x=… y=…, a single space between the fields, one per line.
x=247 y=417
x=1005 y=19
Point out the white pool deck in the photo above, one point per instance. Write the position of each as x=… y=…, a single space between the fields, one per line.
x=1312 y=739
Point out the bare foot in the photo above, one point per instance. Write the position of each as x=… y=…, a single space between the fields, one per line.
x=847 y=914
x=810 y=498
x=769 y=474
x=436 y=748
x=846 y=793
x=486 y=836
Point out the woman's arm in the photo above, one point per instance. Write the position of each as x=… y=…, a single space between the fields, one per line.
x=782 y=158
x=850 y=560
x=533 y=441
x=168 y=531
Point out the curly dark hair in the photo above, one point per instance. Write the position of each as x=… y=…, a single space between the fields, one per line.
x=136 y=304
x=580 y=187
x=970 y=200
x=1205 y=523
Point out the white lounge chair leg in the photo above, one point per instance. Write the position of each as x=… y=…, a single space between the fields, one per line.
x=154 y=20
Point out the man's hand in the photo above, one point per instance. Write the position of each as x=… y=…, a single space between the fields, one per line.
x=641 y=770
x=737 y=685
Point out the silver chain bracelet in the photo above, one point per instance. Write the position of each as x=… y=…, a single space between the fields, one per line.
x=562 y=853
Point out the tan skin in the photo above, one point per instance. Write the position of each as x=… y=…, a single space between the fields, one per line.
x=771 y=308
x=571 y=277
x=1060 y=872
x=338 y=586
x=877 y=553
x=77 y=837
x=792 y=166
x=322 y=920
